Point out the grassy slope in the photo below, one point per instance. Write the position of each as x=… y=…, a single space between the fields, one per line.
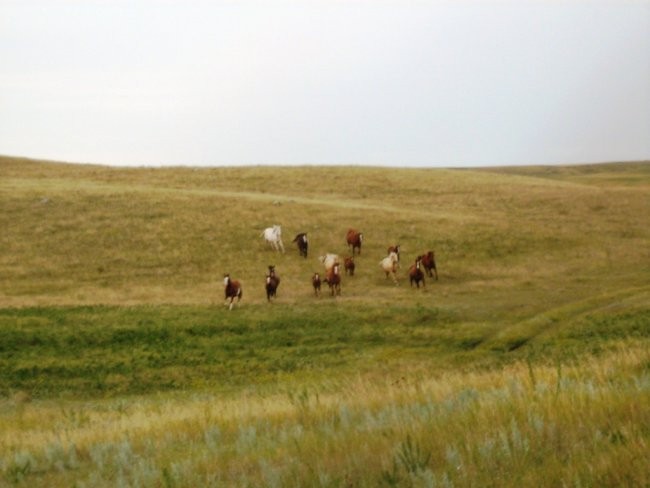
x=110 y=283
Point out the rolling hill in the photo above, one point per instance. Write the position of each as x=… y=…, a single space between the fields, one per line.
x=525 y=364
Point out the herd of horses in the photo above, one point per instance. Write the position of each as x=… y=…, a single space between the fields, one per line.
x=424 y=264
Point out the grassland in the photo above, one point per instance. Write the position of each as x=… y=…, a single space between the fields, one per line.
x=526 y=364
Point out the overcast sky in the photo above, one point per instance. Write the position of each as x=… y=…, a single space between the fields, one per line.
x=412 y=83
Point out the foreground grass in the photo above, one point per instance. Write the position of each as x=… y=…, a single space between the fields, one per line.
x=329 y=395
x=584 y=424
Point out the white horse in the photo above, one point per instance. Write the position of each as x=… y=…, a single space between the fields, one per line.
x=389 y=265
x=329 y=260
x=273 y=235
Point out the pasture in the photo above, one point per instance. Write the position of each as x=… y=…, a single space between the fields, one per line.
x=527 y=363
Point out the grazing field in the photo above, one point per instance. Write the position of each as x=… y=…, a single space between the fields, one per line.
x=526 y=364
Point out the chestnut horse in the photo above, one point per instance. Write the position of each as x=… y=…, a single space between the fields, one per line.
x=334 y=280
x=354 y=240
x=429 y=263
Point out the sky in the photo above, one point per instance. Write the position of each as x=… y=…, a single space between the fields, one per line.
x=363 y=82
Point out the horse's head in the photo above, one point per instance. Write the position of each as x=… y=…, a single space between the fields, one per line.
x=226 y=279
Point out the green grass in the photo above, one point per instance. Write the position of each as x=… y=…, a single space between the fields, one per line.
x=526 y=364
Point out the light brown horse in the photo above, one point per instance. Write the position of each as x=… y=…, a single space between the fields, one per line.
x=389 y=265
x=394 y=249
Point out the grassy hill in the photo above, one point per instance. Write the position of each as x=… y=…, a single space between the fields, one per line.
x=525 y=364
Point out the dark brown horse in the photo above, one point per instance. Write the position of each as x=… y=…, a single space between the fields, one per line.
x=354 y=240
x=315 y=281
x=272 y=283
x=415 y=273
x=232 y=289
x=302 y=242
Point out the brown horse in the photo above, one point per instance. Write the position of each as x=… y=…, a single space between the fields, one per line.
x=315 y=282
x=272 y=283
x=429 y=263
x=348 y=264
x=233 y=290
x=354 y=240
x=415 y=272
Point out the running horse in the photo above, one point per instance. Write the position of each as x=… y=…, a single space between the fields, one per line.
x=389 y=265
x=415 y=272
x=232 y=290
x=273 y=236
x=354 y=240
x=334 y=280
x=429 y=263
x=302 y=242
x=272 y=283
x=315 y=282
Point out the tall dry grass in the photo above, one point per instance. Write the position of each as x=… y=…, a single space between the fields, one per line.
x=583 y=424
